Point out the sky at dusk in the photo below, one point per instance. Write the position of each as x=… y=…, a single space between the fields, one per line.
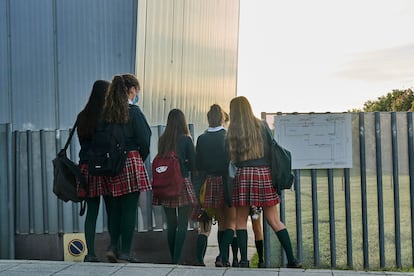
x=323 y=55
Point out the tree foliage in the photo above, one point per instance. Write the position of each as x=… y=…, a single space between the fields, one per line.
x=397 y=100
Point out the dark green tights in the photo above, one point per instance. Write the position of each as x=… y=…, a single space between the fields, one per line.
x=225 y=243
x=242 y=243
x=90 y=221
x=283 y=236
x=122 y=220
x=177 y=225
x=201 y=248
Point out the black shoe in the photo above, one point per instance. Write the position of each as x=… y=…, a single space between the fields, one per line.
x=244 y=264
x=91 y=259
x=235 y=263
x=199 y=264
x=218 y=262
x=261 y=265
x=112 y=255
x=295 y=264
x=125 y=258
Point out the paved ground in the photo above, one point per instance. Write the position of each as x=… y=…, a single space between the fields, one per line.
x=60 y=268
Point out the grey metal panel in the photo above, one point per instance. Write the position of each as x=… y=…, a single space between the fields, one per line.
x=95 y=40
x=32 y=64
x=38 y=210
x=52 y=201
x=4 y=61
x=57 y=50
x=7 y=194
x=22 y=197
x=187 y=57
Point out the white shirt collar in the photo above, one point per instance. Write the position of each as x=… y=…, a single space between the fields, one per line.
x=215 y=129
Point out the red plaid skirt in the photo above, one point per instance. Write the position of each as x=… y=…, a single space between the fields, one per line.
x=214 y=197
x=95 y=185
x=133 y=177
x=187 y=197
x=253 y=186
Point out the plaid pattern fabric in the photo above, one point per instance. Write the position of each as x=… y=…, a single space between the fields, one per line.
x=187 y=197
x=96 y=185
x=214 y=197
x=133 y=177
x=253 y=186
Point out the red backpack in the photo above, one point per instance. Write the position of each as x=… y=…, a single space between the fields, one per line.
x=167 y=180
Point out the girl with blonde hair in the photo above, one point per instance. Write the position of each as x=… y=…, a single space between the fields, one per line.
x=249 y=148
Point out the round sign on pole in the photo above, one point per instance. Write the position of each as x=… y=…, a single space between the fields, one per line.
x=74 y=246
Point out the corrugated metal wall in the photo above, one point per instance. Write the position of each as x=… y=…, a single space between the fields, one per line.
x=4 y=64
x=37 y=209
x=53 y=50
x=187 y=57
x=7 y=193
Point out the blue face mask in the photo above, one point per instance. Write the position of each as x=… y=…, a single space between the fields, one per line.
x=135 y=99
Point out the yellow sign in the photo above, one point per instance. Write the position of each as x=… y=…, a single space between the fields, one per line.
x=74 y=246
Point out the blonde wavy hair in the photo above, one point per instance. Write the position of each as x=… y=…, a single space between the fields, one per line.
x=245 y=132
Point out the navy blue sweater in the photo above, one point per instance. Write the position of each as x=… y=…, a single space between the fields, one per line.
x=137 y=135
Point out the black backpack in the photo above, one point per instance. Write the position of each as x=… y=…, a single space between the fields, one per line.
x=280 y=164
x=107 y=154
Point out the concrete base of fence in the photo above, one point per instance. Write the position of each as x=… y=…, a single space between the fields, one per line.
x=148 y=247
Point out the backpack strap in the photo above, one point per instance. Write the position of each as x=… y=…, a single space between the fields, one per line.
x=72 y=131
x=269 y=132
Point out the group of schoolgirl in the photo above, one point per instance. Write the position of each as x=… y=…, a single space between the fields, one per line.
x=245 y=144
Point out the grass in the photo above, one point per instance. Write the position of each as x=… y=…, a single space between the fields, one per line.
x=323 y=222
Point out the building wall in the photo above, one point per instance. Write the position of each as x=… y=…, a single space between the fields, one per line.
x=53 y=50
x=184 y=52
x=187 y=57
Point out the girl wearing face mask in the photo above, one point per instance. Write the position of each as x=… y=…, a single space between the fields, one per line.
x=120 y=107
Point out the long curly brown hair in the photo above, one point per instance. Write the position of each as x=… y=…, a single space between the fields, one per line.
x=176 y=126
x=116 y=101
x=245 y=132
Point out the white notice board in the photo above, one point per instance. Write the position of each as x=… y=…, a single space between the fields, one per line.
x=316 y=141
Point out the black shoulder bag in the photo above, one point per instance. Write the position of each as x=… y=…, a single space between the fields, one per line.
x=280 y=164
x=67 y=177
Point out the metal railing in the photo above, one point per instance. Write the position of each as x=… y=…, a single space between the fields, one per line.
x=351 y=217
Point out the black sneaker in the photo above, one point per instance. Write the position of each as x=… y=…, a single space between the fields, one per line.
x=235 y=263
x=294 y=264
x=125 y=258
x=111 y=255
x=91 y=259
x=244 y=264
x=218 y=262
x=261 y=265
